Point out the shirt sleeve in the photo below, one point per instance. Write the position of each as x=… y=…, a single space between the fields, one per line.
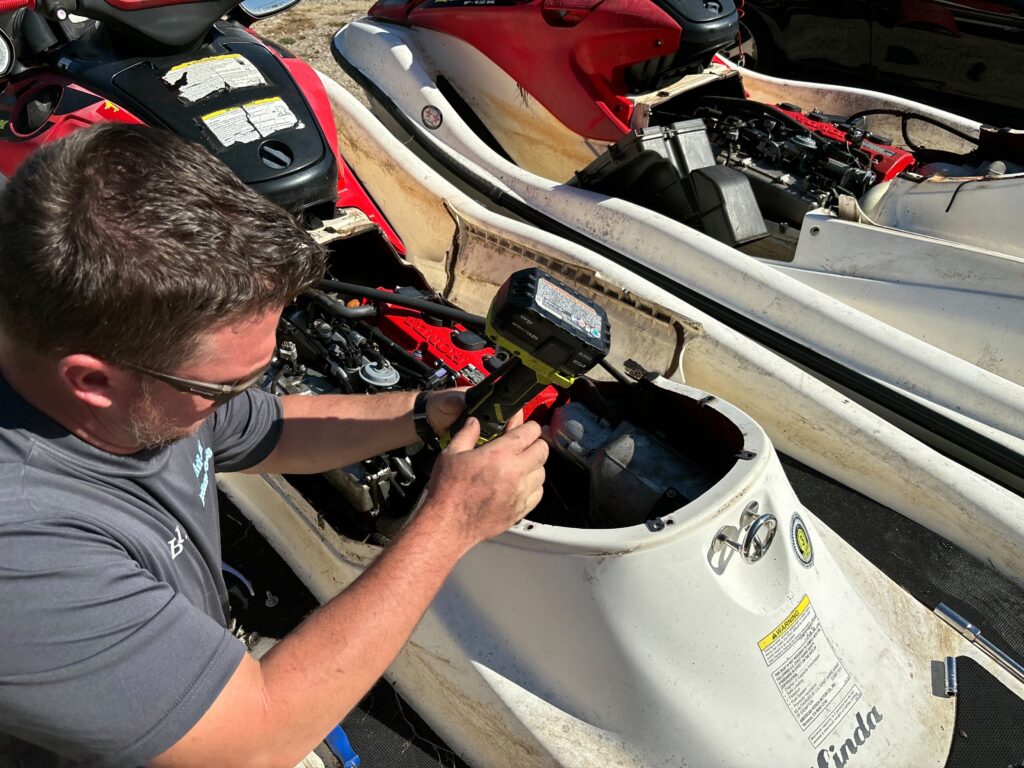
x=100 y=662
x=245 y=430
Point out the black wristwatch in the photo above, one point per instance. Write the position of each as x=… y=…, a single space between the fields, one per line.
x=424 y=431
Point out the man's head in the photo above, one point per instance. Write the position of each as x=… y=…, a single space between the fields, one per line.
x=127 y=248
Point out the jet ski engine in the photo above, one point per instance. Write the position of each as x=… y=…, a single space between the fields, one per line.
x=735 y=163
x=606 y=469
x=797 y=162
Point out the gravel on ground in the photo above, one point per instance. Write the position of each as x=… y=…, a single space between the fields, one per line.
x=306 y=30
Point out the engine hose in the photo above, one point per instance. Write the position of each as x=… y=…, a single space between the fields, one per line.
x=431 y=308
x=403 y=468
x=338 y=308
x=342 y=377
x=907 y=116
x=616 y=374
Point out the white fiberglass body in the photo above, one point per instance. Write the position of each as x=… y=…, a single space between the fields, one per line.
x=641 y=647
x=652 y=645
x=962 y=299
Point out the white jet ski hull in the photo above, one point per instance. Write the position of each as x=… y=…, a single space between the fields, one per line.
x=467 y=252
x=977 y=317
x=979 y=310
x=653 y=646
x=646 y=646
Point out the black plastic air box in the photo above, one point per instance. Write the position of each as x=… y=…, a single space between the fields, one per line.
x=646 y=179
x=672 y=170
x=726 y=205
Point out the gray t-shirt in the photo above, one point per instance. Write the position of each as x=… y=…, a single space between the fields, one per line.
x=112 y=601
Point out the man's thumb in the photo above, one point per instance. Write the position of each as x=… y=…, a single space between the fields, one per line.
x=465 y=439
x=453 y=402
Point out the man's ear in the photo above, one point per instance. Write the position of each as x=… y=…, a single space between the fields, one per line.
x=93 y=381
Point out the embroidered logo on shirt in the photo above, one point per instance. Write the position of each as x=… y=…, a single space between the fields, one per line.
x=177 y=543
x=201 y=466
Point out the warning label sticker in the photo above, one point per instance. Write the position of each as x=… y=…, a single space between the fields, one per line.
x=195 y=80
x=252 y=121
x=813 y=682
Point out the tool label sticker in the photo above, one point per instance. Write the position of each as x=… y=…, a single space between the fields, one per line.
x=566 y=306
x=252 y=121
x=813 y=682
x=195 y=80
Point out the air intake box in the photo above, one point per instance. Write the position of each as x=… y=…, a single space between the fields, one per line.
x=672 y=170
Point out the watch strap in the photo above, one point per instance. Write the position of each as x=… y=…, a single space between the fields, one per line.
x=424 y=431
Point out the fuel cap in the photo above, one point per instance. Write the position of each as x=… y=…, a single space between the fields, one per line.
x=276 y=155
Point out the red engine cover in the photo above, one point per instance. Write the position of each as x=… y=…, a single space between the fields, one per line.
x=435 y=346
x=887 y=161
x=571 y=55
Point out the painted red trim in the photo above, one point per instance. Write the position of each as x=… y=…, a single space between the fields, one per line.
x=139 y=5
x=15 y=149
x=570 y=55
x=6 y=6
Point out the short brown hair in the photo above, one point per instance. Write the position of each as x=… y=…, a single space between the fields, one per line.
x=126 y=242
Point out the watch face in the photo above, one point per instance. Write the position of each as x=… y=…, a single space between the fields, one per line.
x=6 y=54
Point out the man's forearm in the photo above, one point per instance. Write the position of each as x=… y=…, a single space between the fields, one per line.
x=329 y=431
x=322 y=669
x=272 y=712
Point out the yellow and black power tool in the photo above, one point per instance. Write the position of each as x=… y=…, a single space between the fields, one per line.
x=552 y=335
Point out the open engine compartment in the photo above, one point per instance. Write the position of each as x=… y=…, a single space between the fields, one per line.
x=622 y=454
x=740 y=169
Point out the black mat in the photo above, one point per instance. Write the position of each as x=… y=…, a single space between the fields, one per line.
x=385 y=731
x=989 y=721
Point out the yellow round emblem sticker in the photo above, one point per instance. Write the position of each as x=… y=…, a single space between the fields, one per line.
x=801 y=542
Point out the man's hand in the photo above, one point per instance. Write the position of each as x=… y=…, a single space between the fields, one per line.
x=445 y=406
x=480 y=492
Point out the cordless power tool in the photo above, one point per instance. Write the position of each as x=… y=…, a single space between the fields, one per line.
x=551 y=334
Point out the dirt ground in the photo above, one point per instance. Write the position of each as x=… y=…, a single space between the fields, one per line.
x=306 y=30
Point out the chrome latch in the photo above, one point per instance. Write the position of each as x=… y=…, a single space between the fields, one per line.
x=753 y=537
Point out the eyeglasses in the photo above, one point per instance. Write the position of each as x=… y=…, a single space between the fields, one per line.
x=218 y=393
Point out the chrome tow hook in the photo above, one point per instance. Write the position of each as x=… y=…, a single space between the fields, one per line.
x=753 y=537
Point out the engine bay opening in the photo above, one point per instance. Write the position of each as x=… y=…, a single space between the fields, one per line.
x=625 y=455
x=747 y=172
x=623 y=452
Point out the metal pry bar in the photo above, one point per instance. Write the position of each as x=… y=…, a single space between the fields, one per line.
x=973 y=634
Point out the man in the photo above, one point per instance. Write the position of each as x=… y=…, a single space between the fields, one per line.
x=140 y=286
